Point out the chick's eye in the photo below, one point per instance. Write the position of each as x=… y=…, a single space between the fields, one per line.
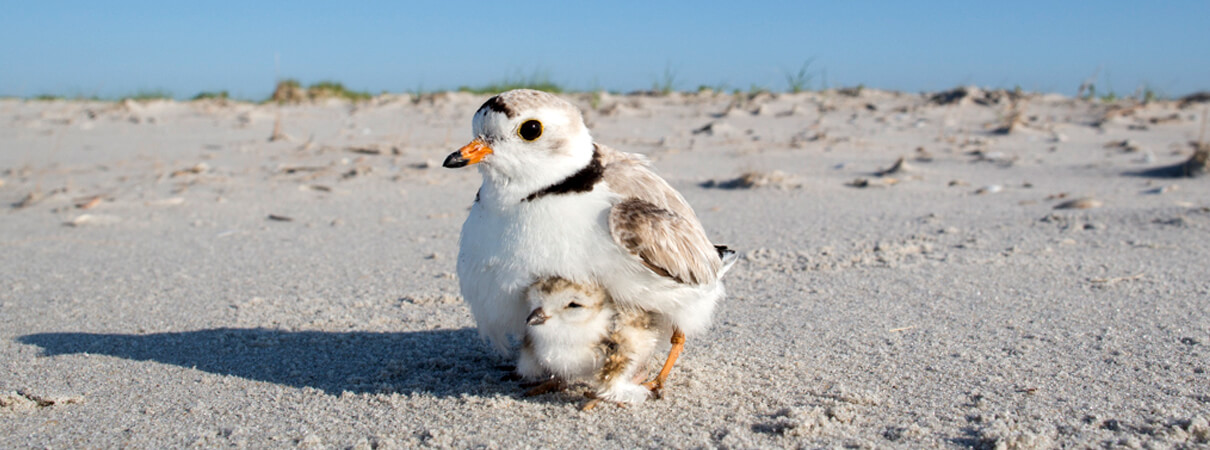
x=530 y=130
x=574 y=305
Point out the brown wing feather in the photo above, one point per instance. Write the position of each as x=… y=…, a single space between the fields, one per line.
x=629 y=175
x=656 y=224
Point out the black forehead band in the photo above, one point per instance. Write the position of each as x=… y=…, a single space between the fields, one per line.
x=498 y=105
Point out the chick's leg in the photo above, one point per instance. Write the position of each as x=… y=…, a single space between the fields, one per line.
x=678 y=343
x=548 y=386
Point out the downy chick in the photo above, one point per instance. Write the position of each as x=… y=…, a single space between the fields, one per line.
x=576 y=333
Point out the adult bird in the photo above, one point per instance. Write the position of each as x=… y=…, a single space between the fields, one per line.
x=554 y=203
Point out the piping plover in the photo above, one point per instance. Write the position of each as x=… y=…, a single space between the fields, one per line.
x=554 y=203
x=575 y=333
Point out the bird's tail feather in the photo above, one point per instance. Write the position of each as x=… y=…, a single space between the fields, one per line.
x=728 y=256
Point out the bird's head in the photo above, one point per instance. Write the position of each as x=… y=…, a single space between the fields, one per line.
x=559 y=302
x=528 y=138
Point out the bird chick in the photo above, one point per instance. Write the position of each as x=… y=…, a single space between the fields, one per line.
x=576 y=333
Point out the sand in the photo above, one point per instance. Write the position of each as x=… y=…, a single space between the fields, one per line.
x=174 y=278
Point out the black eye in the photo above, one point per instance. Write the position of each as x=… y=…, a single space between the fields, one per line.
x=530 y=130
x=574 y=305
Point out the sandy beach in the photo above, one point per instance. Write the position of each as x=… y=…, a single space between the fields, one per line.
x=229 y=274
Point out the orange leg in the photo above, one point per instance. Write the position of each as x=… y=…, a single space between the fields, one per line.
x=678 y=343
x=596 y=401
x=593 y=401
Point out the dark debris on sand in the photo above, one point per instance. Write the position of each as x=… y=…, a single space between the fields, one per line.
x=974 y=94
x=1194 y=167
x=1196 y=97
x=751 y=180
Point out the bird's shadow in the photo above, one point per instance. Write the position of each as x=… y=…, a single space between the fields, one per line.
x=438 y=362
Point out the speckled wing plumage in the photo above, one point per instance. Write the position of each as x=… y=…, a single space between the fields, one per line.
x=655 y=224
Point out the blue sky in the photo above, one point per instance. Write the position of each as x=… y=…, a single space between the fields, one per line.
x=112 y=49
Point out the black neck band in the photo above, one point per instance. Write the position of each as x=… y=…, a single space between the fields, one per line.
x=581 y=181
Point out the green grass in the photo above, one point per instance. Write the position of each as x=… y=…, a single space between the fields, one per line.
x=801 y=80
x=334 y=89
x=594 y=100
x=290 y=90
x=667 y=82
x=854 y=91
x=148 y=95
x=1088 y=89
x=1148 y=93
x=717 y=88
x=209 y=95
x=145 y=95
x=538 y=81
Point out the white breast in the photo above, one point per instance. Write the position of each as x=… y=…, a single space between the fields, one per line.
x=503 y=250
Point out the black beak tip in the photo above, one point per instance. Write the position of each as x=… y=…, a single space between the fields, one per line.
x=455 y=160
x=537 y=317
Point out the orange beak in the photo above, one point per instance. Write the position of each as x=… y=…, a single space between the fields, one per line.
x=472 y=153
